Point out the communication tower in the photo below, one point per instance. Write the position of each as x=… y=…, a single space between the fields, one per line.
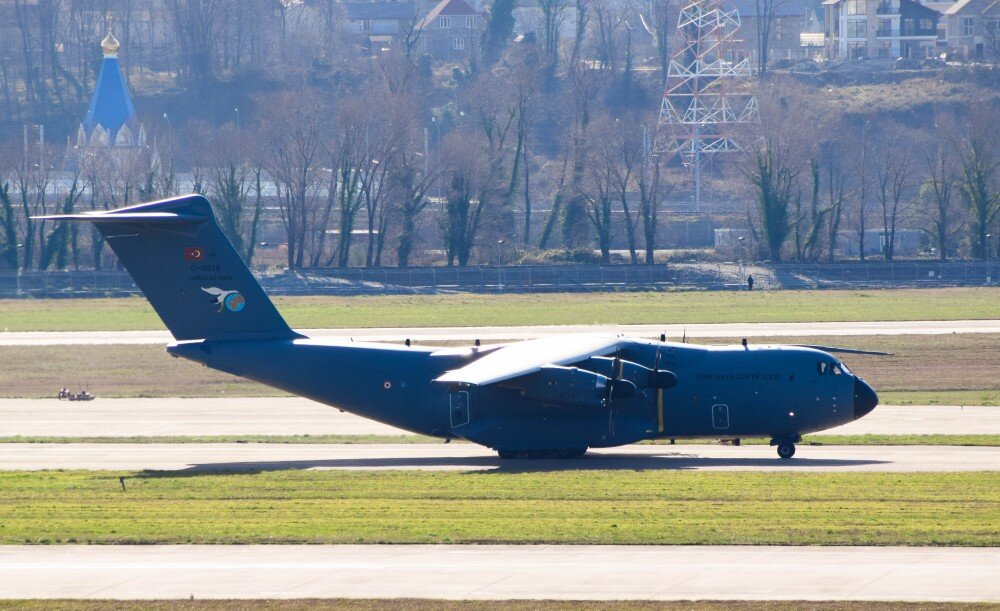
x=705 y=95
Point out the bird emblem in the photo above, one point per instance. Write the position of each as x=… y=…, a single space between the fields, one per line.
x=230 y=300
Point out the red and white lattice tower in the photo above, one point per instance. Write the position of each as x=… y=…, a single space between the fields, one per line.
x=706 y=94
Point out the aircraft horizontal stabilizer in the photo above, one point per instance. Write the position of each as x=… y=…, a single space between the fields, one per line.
x=142 y=218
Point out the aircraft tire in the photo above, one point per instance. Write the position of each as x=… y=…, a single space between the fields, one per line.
x=786 y=450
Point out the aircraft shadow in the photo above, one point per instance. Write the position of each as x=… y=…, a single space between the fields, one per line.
x=591 y=462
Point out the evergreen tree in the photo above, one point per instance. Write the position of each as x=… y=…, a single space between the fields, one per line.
x=499 y=30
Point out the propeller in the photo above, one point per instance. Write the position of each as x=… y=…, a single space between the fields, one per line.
x=842 y=350
x=618 y=387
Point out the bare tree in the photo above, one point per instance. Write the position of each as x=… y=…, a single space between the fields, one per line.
x=764 y=20
x=553 y=18
x=194 y=26
x=660 y=20
x=292 y=137
x=939 y=207
x=893 y=184
x=977 y=158
x=467 y=167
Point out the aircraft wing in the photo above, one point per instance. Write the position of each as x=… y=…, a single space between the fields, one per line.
x=527 y=357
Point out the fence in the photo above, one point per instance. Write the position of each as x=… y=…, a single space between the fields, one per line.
x=537 y=278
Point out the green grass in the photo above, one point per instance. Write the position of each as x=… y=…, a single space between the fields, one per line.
x=599 y=507
x=830 y=440
x=534 y=309
x=476 y=605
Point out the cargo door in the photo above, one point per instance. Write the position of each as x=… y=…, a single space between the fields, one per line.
x=459 y=401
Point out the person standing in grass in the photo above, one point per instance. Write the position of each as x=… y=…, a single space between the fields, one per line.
x=750 y=282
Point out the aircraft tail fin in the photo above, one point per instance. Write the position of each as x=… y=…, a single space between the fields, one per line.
x=195 y=280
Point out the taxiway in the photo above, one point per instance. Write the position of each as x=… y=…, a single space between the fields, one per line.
x=492 y=572
x=439 y=334
x=297 y=416
x=255 y=457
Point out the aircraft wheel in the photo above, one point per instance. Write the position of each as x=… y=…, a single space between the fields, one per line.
x=786 y=450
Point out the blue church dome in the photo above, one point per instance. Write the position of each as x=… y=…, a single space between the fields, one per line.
x=111 y=107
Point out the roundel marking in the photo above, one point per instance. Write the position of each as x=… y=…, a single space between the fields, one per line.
x=235 y=302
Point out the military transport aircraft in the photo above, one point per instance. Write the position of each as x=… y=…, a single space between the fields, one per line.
x=553 y=397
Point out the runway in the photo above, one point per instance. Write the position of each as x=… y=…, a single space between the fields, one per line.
x=297 y=416
x=252 y=457
x=495 y=572
x=438 y=334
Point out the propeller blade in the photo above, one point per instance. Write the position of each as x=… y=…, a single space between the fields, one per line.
x=833 y=349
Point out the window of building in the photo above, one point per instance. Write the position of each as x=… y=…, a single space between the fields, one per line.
x=777 y=29
x=367 y=25
x=856 y=50
x=857 y=7
x=458 y=43
x=884 y=27
x=993 y=26
x=470 y=22
x=444 y=22
x=968 y=26
x=926 y=25
x=857 y=28
x=884 y=49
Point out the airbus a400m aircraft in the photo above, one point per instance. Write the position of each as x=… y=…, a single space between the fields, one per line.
x=556 y=396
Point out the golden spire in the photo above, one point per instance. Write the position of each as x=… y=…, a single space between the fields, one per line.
x=110 y=43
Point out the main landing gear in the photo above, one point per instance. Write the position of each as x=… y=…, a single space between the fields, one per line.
x=512 y=454
x=786 y=445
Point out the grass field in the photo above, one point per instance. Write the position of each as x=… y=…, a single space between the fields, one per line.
x=957 y=369
x=537 y=309
x=600 y=507
x=482 y=605
x=830 y=440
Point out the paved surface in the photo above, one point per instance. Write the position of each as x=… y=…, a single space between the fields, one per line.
x=673 y=331
x=297 y=416
x=466 y=457
x=501 y=572
x=159 y=417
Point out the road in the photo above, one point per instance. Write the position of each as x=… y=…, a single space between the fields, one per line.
x=429 y=334
x=252 y=457
x=297 y=416
x=493 y=572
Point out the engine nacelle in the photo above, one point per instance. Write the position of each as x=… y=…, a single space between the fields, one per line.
x=564 y=386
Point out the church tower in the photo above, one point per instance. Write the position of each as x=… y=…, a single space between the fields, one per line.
x=111 y=121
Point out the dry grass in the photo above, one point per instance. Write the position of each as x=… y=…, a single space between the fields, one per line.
x=959 y=362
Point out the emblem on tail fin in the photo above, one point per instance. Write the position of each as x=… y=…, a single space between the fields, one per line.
x=230 y=300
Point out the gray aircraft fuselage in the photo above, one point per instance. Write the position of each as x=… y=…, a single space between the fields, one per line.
x=780 y=392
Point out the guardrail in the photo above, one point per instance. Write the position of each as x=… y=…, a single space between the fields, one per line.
x=539 y=278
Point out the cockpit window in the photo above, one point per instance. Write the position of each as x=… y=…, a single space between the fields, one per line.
x=821 y=367
x=836 y=369
x=846 y=370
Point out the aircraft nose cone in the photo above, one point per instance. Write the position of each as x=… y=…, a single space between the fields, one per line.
x=865 y=398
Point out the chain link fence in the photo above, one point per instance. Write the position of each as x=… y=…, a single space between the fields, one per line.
x=539 y=278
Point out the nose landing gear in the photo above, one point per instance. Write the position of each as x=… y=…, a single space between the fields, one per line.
x=786 y=445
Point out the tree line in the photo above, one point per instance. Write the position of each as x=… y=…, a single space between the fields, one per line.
x=543 y=139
